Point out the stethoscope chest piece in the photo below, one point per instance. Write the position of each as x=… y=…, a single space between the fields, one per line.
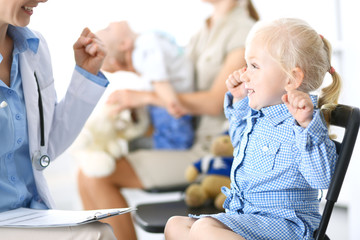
x=40 y=161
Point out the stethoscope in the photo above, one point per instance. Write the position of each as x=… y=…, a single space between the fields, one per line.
x=40 y=159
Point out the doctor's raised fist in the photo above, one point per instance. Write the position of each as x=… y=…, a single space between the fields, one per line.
x=89 y=52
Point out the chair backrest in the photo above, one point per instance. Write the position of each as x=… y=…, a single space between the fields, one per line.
x=349 y=118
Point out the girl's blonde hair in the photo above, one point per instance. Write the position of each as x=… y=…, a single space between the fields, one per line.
x=293 y=43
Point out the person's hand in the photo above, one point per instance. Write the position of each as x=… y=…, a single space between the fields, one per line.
x=89 y=52
x=300 y=106
x=125 y=99
x=176 y=110
x=235 y=85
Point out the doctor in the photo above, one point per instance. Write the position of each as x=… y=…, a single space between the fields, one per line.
x=34 y=127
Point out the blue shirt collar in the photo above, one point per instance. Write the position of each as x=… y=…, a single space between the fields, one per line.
x=23 y=39
x=278 y=113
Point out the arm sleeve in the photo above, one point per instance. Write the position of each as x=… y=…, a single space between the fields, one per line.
x=236 y=115
x=99 y=78
x=318 y=152
x=72 y=111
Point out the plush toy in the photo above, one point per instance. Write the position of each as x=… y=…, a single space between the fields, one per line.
x=104 y=139
x=216 y=171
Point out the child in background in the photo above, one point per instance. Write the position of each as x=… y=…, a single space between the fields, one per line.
x=163 y=66
x=283 y=154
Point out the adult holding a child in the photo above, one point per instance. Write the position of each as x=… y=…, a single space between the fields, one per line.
x=162 y=67
x=216 y=51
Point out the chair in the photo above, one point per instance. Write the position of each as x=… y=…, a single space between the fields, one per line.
x=152 y=217
x=349 y=118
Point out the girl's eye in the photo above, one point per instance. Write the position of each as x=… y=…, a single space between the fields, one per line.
x=251 y=66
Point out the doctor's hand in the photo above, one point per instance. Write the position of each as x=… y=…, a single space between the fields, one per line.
x=89 y=52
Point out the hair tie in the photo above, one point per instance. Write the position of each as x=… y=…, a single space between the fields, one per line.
x=331 y=70
x=321 y=36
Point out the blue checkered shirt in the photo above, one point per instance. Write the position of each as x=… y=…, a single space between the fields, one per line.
x=278 y=166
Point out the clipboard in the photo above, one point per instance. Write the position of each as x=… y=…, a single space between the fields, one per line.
x=42 y=218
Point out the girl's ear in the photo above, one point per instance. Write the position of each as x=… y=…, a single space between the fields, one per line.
x=296 y=81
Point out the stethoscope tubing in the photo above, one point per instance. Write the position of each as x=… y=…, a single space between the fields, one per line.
x=41 y=160
x=41 y=113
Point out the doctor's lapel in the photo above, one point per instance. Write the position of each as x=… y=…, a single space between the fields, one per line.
x=29 y=62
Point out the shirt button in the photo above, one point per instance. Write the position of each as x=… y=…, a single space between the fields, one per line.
x=18 y=116
x=19 y=141
x=10 y=91
x=265 y=149
x=13 y=178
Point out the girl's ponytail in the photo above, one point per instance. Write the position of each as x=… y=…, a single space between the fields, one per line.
x=329 y=95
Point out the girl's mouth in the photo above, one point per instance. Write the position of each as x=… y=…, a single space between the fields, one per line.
x=250 y=91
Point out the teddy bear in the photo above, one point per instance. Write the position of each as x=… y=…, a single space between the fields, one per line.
x=215 y=169
x=105 y=136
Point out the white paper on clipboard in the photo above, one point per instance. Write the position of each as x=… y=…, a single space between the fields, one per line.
x=35 y=218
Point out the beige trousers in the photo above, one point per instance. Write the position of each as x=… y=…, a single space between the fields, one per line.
x=90 y=231
x=162 y=168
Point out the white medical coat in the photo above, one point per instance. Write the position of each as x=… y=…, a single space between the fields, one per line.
x=63 y=120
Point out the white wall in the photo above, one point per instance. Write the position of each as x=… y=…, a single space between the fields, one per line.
x=351 y=96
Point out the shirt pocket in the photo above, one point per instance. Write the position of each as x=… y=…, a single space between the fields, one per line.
x=263 y=155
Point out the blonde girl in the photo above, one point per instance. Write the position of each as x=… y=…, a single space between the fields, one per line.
x=283 y=154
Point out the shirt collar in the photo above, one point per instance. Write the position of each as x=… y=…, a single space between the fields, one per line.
x=23 y=39
x=278 y=113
